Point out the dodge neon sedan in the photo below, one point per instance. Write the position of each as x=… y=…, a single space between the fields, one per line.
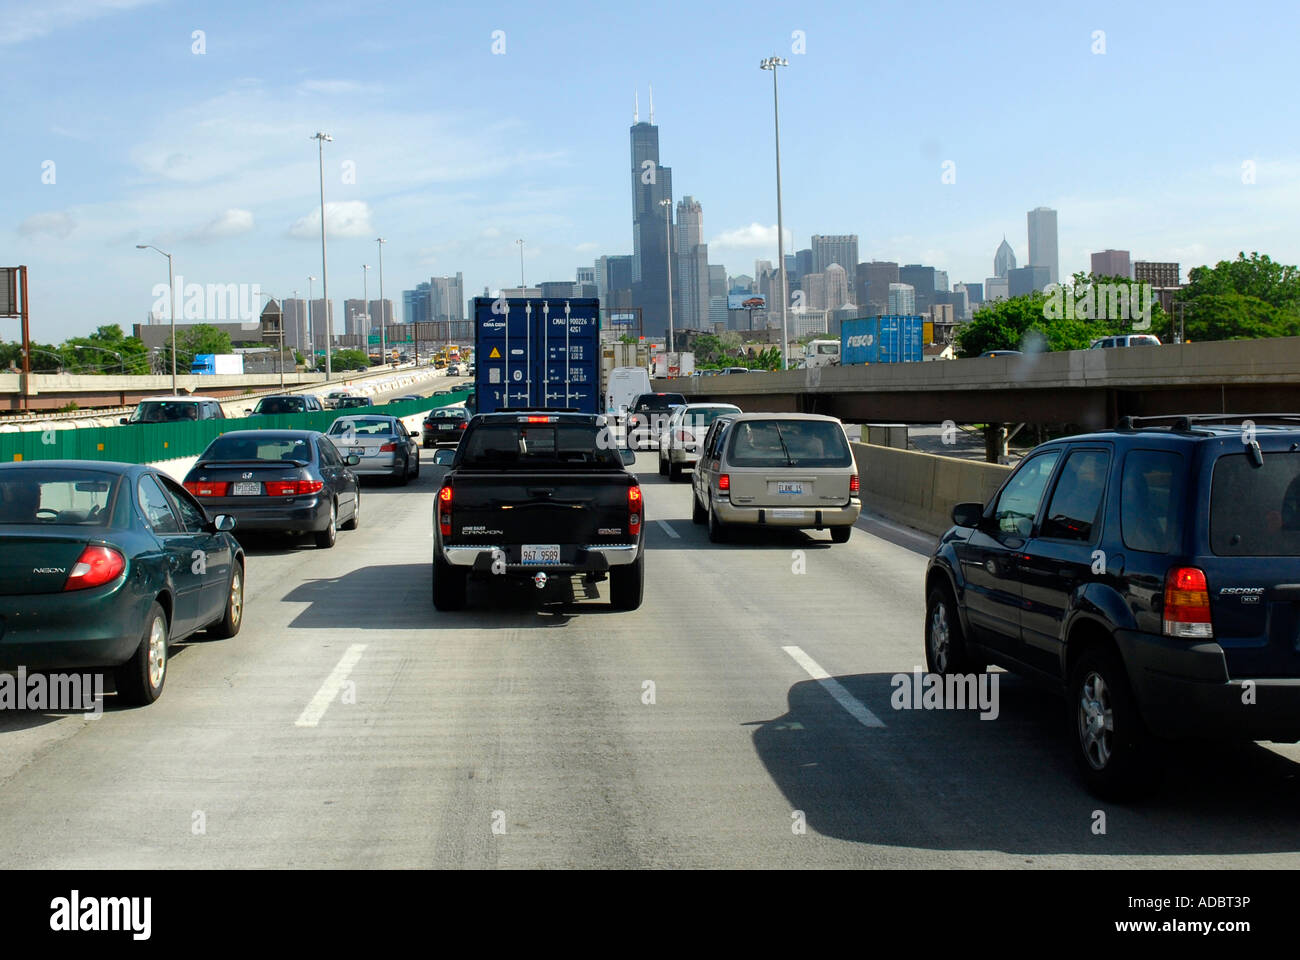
x=105 y=565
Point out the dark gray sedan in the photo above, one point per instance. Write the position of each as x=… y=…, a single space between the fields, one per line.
x=382 y=443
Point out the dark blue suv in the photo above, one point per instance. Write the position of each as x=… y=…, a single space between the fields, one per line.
x=1150 y=572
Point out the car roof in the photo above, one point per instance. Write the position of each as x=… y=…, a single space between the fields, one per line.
x=175 y=399
x=716 y=403
x=286 y=434
x=1188 y=428
x=748 y=417
x=103 y=466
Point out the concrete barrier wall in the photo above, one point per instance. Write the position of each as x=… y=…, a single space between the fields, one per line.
x=920 y=489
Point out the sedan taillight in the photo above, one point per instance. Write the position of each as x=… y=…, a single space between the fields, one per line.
x=388 y=448
x=444 y=511
x=96 y=566
x=291 y=488
x=634 y=510
x=205 y=488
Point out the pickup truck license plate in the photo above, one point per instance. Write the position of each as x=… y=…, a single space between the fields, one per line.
x=540 y=553
x=247 y=489
x=787 y=486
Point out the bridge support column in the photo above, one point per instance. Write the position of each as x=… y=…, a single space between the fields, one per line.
x=995 y=442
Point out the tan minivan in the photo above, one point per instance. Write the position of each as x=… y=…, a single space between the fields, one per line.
x=779 y=470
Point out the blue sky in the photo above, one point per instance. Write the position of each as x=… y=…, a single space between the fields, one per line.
x=459 y=151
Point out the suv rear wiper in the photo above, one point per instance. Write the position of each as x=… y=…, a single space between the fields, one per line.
x=789 y=460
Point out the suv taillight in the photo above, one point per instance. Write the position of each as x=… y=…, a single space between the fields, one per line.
x=634 y=510
x=1187 y=604
x=444 y=511
x=855 y=485
x=96 y=566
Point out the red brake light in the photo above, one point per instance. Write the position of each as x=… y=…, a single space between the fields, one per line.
x=634 y=510
x=388 y=448
x=463 y=425
x=291 y=488
x=855 y=485
x=205 y=488
x=724 y=482
x=96 y=566
x=444 y=511
x=1187 y=604
x=539 y=419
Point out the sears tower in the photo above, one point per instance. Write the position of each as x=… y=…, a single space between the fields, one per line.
x=651 y=183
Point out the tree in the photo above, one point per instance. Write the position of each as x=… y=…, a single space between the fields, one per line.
x=1239 y=299
x=343 y=360
x=191 y=342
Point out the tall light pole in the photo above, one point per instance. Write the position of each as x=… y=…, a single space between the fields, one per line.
x=521 y=268
x=771 y=63
x=311 y=328
x=365 y=305
x=383 y=317
x=667 y=204
x=321 y=139
x=171 y=285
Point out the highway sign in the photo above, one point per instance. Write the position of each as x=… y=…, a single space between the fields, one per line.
x=9 y=292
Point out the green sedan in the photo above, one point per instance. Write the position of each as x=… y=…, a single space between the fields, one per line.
x=103 y=565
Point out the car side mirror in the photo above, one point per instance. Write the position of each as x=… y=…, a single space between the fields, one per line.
x=124 y=420
x=223 y=523
x=628 y=456
x=967 y=514
x=353 y=459
x=248 y=412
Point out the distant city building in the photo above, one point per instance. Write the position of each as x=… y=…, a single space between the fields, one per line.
x=295 y=323
x=354 y=318
x=1004 y=261
x=974 y=293
x=382 y=314
x=875 y=295
x=447 y=298
x=1023 y=281
x=651 y=227
x=837 y=287
x=996 y=288
x=1163 y=276
x=321 y=322
x=803 y=264
x=838 y=248
x=585 y=275
x=1112 y=263
x=921 y=279
x=558 y=289
x=806 y=322
x=812 y=288
x=943 y=317
x=1042 y=242
x=941 y=281
x=902 y=299
x=614 y=280
x=959 y=300
x=415 y=304
x=765 y=282
x=691 y=278
x=741 y=283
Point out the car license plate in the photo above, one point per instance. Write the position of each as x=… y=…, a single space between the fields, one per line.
x=247 y=489
x=547 y=553
x=359 y=451
x=444 y=426
x=788 y=486
x=788 y=514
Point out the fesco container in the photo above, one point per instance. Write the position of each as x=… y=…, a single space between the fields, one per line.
x=858 y=341
x=885 y=339
x=537 y=352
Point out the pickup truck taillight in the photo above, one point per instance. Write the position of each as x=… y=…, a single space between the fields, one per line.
x=444 y=511
x=634 y=510
x=1187 y=604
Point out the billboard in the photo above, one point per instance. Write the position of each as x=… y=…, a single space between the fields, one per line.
x=746 y=301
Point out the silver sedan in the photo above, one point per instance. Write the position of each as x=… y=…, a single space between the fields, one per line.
x=385 y=447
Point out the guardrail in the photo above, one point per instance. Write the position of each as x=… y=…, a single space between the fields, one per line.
x=153 y=442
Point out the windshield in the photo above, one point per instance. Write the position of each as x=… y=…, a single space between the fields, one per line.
x=263 y=447
x=165 y=411
x=538 y=445
x=703 y=416
x=272 y=405
x=788 y=443
x=57 y=496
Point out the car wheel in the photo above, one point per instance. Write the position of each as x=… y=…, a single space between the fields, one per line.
x=663 y=466
x=449 y=584
x=1112 y=746
x=228 y=625
x=416 y=475
x=945 y=645
x=697 y=512
x=627 y=584
x=355 y=520
x=841 y=534
x=140 y=680
x=717 y=529
x=674 y=471
x=325 y=538
x=403 y=476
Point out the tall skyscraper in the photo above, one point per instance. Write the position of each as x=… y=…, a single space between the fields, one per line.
x=691 y=276
x=941 y=281
x=812 y=287
x=447 y=298
x=996 y=288
x=415 y=304
x=295 y=323
x=354 y=318
x=837 y=287
x=651 y=183
x=1004 y=261
x=717 y=294
x=921 y=279
x=841 y=249
x=1042 y=241
x=1112 y=263
x=384 y=313
x=902 y=299
x=585 y=275
x=880 y=274
x=318 y=322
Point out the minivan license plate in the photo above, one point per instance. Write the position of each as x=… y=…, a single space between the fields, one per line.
x=786 y=486
x=541 y=554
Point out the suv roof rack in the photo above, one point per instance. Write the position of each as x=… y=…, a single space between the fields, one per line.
x=1185 y=422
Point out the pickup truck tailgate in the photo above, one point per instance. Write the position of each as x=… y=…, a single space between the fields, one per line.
x=539 y=508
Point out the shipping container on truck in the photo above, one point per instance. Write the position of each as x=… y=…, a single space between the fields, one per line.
x=214 y=363
x=537 y=352
x=886 y=339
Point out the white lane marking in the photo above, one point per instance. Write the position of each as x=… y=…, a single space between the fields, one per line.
x=330 y=688
x=667 y=528
x=834 y=688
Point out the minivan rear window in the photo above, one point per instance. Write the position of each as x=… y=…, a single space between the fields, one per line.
x=658 y=401
x=788 y=443
x=1255 y=511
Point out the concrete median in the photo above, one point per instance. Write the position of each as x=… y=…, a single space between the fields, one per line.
x=920 y=489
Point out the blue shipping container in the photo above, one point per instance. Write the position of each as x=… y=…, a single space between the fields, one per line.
x=537 y=352
x=891 y=339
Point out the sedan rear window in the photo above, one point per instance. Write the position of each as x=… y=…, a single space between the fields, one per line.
x=268 y=448
x=57 y=496
x=703 y=416
x=788 y=443
x=658 y=402
x=1255 y=511
x=362 y=427
x=273 y=405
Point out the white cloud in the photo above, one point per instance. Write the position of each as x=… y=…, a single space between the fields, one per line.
x=755 y=238
x=337 y=87
x=56 y=224
x=346 y=218
x=30 y=21
x=585 y=247
x=230 y=224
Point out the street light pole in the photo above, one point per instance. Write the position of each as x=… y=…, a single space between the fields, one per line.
x=667 y=204
x=321 y=139
x=311 y=327
x=171 y=289
x=383 y=317
x=771 y=63
x=365 y=305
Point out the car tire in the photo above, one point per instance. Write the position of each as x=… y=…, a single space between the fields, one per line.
x=945 y=643
x=325 y=538
x=674 y=471
x=141 y=679
x=416 y=475
x=698 y=514
x=403 y=477
x=354 y=521
x=627 y=584
x=841 y=534
x=1112 y=747
x=663 y=466
x=449 y=585
x=717 y=529
x=233 y=617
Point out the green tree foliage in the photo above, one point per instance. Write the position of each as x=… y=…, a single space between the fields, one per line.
x=343 y=360
x=192 y=341
x=1239 y=299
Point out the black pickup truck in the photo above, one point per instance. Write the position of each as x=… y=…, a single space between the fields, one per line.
x=538 y=495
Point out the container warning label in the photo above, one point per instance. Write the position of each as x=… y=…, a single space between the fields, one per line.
x=495 y=354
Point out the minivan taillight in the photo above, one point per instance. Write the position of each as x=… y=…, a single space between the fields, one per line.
x=96 y=566
x=634 y=510
x=724 y=481
x=444 y=511
x=1187 y=604
x=855 y=485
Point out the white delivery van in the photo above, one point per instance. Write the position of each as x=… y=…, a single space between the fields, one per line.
x=625 y=385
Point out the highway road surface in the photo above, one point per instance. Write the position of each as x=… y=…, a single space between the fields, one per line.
x=741 y=718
